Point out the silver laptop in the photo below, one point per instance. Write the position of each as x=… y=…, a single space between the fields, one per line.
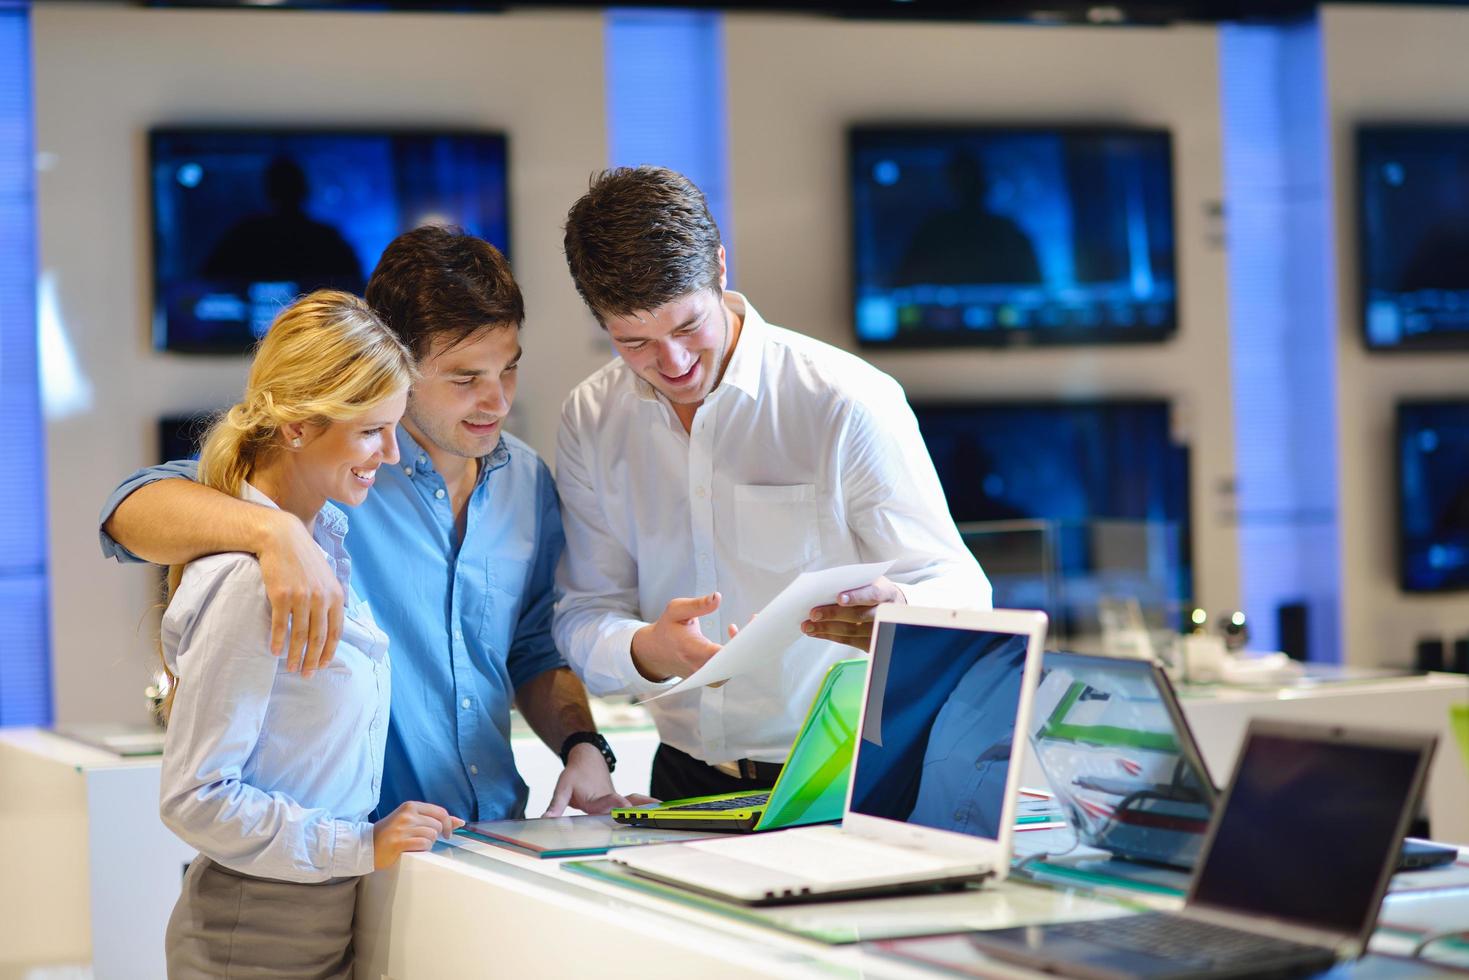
x=932 y=797
x=1110 y=736
x=1293 y=871
x=1112 y=741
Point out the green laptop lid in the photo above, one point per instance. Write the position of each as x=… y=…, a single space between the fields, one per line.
x=1459 y=716
x=813 y=785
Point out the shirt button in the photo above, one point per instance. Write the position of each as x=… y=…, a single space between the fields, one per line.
x=464 y=703
x=699 y=491
x=439 y=493
x=458 y=635
x=408 y=470
x=474 y=770
x=979 y=763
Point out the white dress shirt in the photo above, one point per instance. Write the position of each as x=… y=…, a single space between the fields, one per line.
x=803 y=457
x=265 y=771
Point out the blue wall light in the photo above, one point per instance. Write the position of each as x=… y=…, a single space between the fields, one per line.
x=25 y=660
x=1282 y=327
x=666 y=99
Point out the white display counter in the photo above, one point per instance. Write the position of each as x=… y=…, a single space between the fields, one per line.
x=474 y=910
x=90 y=874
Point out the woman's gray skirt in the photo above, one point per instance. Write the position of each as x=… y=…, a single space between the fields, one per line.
x=235 y=926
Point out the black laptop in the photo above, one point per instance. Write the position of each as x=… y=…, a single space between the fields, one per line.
x=1292 y=873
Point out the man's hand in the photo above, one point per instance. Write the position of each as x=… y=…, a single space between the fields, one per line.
x=412 y=827
x=850 y=620
x=586 y=785
x=673 y=646
x=306 y=599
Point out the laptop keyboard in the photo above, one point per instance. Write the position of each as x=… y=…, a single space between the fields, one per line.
x=734 y=803
x=829 y=857
x=1185 y=940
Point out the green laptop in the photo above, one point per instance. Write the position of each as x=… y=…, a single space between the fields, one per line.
x=812 y=787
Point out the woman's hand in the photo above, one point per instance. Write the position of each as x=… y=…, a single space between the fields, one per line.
x=412 y=827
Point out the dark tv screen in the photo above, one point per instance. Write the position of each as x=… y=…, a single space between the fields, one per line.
x=1413 y=236
x=182 y=436
x=1087 y=469
x=244 y=221
x=1433 y=495
x=1012 y=236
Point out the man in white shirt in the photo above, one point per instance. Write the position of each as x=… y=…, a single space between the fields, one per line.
x=702 y=470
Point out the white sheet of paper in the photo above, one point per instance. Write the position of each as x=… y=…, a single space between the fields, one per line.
x=778 y=625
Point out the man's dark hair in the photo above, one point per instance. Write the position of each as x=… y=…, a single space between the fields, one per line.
x=639 y=237
x=441 y=281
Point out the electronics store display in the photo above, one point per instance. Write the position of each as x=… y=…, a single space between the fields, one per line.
x=246 y=220
x=988 y=235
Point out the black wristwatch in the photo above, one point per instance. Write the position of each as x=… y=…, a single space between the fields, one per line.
x=591 y=738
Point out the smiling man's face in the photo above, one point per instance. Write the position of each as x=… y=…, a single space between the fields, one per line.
x=465 y=390
x=678 y=348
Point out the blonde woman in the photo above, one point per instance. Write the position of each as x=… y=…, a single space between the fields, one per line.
x=269 y=773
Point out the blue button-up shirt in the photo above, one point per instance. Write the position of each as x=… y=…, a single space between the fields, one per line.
x=469 y=622
x=264 y=771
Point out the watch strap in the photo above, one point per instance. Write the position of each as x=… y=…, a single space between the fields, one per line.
x=590 y=738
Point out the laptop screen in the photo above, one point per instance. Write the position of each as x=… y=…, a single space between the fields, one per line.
x=1324 y=815
x=939 y=722
x=1115 y=753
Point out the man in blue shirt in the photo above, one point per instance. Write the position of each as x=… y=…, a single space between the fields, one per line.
x=455 y=549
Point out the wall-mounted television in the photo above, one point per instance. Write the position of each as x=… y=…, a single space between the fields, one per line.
x=245 y=220
x=1413 y=236
x=1433 y=495
x=1104 y=484
x=182 y=436
x=1001 y=236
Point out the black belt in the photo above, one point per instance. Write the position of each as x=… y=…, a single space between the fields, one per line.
x=765 y=772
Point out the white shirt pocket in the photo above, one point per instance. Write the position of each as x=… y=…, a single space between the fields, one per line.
x=777 y=527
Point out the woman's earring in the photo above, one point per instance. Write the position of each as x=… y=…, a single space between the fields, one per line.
x=296 y=443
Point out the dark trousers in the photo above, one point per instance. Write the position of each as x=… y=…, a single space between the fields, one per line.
x=678 y=776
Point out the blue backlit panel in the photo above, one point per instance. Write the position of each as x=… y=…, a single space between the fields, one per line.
x=666 y=100
x=1281 y=329
x=25 y=659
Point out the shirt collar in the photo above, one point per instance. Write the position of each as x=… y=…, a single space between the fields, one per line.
x=743 y=372
x=412 y=455
x=251 y=493
x=745 y=363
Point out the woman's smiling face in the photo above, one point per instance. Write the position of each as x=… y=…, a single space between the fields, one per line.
x=339 y=460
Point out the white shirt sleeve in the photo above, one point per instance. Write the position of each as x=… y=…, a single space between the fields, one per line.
x=227 y=672
x=598 y=612
x=896 y=507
